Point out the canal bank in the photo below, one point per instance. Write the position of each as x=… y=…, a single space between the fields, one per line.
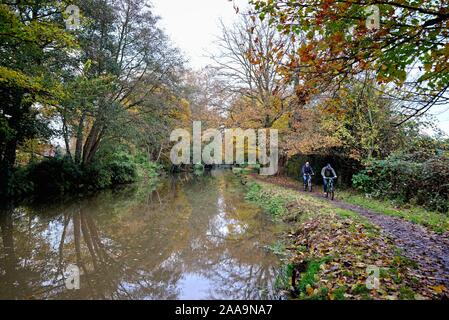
x=338 y=251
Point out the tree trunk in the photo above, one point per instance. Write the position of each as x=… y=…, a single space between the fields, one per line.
x=10 y=261
x=95 y=147
x=90 y=141
x=79 y=139
x=282 y=162
x=9 y=157
x=93 y=142
x=66 y=137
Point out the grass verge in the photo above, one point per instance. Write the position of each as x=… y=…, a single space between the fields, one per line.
x=330 y=251
x=438 y=222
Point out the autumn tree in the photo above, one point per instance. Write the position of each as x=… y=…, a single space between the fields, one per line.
x=339 y=40
x=207 y=95
x=126 y=63
x=245 y=62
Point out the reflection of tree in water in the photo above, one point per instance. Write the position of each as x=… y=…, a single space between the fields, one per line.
x=11 y=276
x=23 y=255
x=113 y=265
x=140 y=244
x=132 y=260
x=230 y=255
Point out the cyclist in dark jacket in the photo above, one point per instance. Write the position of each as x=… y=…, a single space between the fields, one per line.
x=328 y=173
x=305 y=171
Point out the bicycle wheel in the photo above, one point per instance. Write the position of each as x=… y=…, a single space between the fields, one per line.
x=332 y=191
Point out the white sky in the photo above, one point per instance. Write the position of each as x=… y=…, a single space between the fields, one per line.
x=442 y=115
x=193 y=26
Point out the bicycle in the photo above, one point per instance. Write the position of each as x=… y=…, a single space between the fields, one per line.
x=330 y=190
x=308 y=185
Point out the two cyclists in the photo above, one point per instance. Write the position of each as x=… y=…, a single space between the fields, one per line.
x=328 y=173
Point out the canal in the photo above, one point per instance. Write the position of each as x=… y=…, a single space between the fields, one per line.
x=184 y=237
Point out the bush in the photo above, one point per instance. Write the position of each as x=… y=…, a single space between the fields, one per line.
x=122 y=172
x=17 y=185
x=145 y=168
x=408 y=179
x=54 y=176
x=58 y=176
x=126 y=168
x=97 y=176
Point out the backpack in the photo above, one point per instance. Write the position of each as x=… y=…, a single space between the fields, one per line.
x=328 y=173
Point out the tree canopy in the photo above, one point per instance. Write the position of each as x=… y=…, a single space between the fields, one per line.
x=407 y=50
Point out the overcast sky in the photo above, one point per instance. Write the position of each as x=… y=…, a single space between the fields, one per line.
x=193 y=26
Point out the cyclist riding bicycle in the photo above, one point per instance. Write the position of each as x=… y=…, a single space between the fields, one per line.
x=306 y=171
x=328 y=173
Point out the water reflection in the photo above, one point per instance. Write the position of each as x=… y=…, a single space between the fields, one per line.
x=188 y=238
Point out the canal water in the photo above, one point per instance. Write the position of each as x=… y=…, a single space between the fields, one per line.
x=185 y=237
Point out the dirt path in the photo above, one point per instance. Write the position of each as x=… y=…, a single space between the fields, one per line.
x=427 y=248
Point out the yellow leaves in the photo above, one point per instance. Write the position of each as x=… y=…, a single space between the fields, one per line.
x=309 y=290
x=182 y=112
x=37 y=31
x=310 y=133
x=428 y=67
x=279 y=55
x=13 y=78
x=282 y=124
x=42 y=92
x=439 y=289
x=445 y=50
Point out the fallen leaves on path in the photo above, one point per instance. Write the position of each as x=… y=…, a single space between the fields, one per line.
x=346 y=245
